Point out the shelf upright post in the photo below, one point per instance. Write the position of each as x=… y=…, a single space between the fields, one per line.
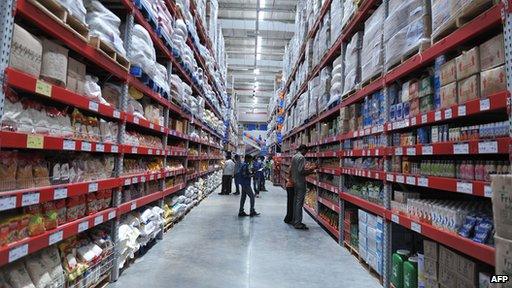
x=123 y=103
x=506 y=15
x=6 y=27
x=341 y=203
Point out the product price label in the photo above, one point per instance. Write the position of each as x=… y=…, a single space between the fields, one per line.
x=367 y=131
x=485 y=104
x=461 y=148
x=400 y=178
x=152 y=177
x=488 y=191
x=60 y=193
x=411 y=180
x=461 y=110
x=134 y=150
x=448 y=113
x=127 y=181
x=7 y=202
x=86 y=146
x=423 y=182
x=83 y=226
x=116 y=114
x=423 y=118
x=55 y=237
x=150 y=151
x=43 y=88
x=437 y=116
x=488 y=147
x=411 y=151
x=18 y=252
x=390 y=178
x=151 y=126
x=133 y=206
x=398 y=151
x=35 y=141
x=143 y=179
x=30 y=198
x=157 y=152
x=136 y=120
x=93 y=187
x=93 y=106
x=98 y=220
x=68 y=145
x=100 y=147
x=413 y=121
x=114 y=149
x=427 y=150
x=377 y=152
x=465 y=187
x=111 y=215
x=162 y=129
x=416 y=227
x=395 y=218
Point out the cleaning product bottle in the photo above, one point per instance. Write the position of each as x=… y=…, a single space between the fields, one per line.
x=411 y=273
x=397 y=270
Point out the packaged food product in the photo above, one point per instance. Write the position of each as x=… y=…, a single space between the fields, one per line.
x=24 y=172
x=4 y=232
x=448 y=72
x=26 y=51
x=449 y=95
x=40 y=172
x=55 y=62
x=8 y=170
x=468 y=63
x=60 y=208
x=493 y=81
x=492 y=53
x=36 y=221
x=51 y=218
x=23 y=221
x=469 y=89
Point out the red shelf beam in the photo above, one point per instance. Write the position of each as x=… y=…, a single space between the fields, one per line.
x=130 y=118
x=137 y=84
x=30 y=245
x=330 y=170
x=328 y=226
x=56 y=29
x=479 y=251
x=375 y=152
x=373 y=174
x=472 y=187
x=311 y=211
x=472 y=147
x=329 y=204
x=367 y=205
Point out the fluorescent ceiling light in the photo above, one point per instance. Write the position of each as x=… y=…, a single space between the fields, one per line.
x=261 y=15
x=262 y=3
x=257 y=71
x=258 y=56
x=255 y=100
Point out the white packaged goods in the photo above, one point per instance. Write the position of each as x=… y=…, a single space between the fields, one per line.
x=324 y=88
x=336 y=81
x=352 y=67
x=336 y=19
x=142 y=52
x=371 y=53
x=17 y=275
x=104 y=24
x=26 y=51
x=55 y=62
x=406 y=29
x=349 y=9
x=445 y=12
x=161 y=77
x=75 y=8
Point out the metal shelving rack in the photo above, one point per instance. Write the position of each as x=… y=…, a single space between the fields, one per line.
x=499 y=14
x=14 y=79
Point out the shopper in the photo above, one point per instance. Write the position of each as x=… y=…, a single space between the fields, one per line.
x=290 y=195
x=262 y=174
x=257 y=167
x=238 y=166
x=227 y=176
x=299 y=171
x=245 y=179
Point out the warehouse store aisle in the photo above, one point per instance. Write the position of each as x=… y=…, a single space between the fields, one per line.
x=212 y=247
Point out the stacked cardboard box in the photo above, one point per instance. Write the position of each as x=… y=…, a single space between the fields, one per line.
x=371 y=238
x=502 y=207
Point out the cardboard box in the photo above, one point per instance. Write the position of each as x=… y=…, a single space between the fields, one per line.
x=447 y=278
x=414 y=89
x=492 y=81
x=430 y=283
x=26 y=52
x=76 y=76
x=467 y=269
x=448 y=73
x=463 y=283
x=449 y=95
x=426 y=86
x=469 y=88
x=492 y=53
x=468 y=63
x=431 y=250
x=414 y=107
x=484 y=280
x=430 y=269
x=55 y=62
x=448 y=259
x=502 y=206
x=426 y=103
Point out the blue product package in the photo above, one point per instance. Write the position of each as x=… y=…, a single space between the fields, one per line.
x=406 y=109
x=468 y=226
x=399 y=113
x=483 y=231
x=437 y=81
x=393 y=94
x=392 y=113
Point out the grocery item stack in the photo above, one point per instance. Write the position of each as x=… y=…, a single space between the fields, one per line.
x=371 y=239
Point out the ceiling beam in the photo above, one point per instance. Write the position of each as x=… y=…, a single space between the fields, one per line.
x=264 y=25
x=249 y=61
x=250 y=8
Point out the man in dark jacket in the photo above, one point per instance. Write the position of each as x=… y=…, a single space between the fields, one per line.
x=238 y=166
x=245 y=179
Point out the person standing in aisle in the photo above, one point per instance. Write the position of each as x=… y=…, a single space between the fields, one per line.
x=238 y=166
x=257 y=168
x=262 y=174
x=227 y=176
x=245 y=179
x=290 y=197
x=299 y=170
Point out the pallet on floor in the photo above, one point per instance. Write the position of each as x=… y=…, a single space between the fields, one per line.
x=105 y=48
x=59 y=13
x=465 y=15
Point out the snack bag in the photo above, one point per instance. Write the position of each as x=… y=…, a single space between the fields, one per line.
x=51 y=218
x=36 y=220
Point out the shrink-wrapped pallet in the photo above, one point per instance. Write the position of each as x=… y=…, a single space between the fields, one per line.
x=336 y=80
x=349 y=9
x=352 y=63
x=406 y=29
x=142 y=52
x=104 y=24
x=324 y=87
x=75 y=8
x=371 y=53
x=336 y=19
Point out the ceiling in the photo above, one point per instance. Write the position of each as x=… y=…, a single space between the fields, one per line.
x=255 y=45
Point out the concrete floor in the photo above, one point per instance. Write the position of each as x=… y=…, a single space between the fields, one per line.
x=212 y=247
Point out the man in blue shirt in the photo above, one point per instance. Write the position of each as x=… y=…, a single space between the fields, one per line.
x=245 y=180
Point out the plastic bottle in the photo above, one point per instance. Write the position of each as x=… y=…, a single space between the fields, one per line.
x=411 y=273
x=397 y=270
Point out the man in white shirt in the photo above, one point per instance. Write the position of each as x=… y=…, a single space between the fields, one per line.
x=227 y=176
